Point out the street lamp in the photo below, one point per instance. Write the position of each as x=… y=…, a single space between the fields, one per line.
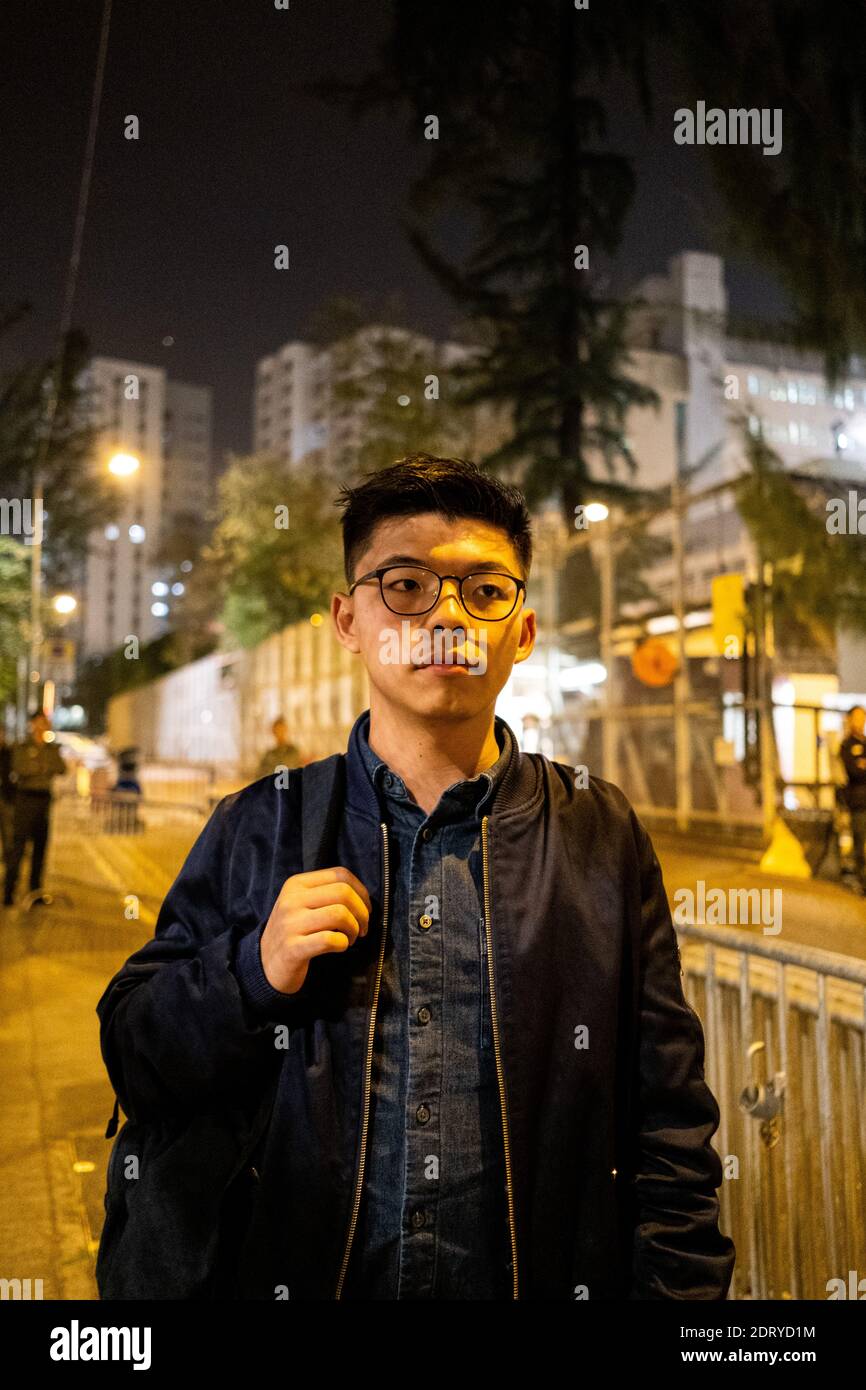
x=596 y=512
x=65 y=603
x=123 y=465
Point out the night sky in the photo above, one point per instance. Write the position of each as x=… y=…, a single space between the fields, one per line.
x=236 y=156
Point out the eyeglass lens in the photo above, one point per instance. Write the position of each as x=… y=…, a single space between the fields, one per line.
x=410 y=590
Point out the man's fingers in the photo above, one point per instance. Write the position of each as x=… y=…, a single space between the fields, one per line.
x=313 y=877
x=318 y=943
x=333 y=918
x=327 y=894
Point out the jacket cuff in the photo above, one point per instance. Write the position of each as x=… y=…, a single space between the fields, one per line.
x=256 y=989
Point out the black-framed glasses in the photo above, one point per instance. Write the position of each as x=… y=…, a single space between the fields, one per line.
x=487 y=595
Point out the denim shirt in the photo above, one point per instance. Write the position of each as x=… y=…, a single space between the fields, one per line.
x=433 y=1216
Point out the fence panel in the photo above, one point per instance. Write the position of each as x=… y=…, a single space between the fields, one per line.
x=785 y=1030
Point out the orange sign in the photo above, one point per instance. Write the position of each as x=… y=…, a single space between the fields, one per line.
x=653 y=662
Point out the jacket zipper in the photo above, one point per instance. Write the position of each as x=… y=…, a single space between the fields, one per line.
x=499 y=1072
x=483 y=1039
x=359 y=1182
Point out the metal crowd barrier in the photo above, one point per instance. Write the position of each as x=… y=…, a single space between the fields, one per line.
x=785 y=1030
x=116 y=813
x=99 y=812
x=104 y=812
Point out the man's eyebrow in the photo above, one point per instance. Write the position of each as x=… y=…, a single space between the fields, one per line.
x=497 y=566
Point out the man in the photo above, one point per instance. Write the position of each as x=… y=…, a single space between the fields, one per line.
x=35 y=764
x=282 y=754
x=852 y=751
x=486 y=1082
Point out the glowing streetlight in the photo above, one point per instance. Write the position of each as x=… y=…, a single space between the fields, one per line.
x=123 y=465
x=596 y=511
x=65 y=603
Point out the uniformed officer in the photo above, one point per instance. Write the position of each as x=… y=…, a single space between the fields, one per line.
x=282 y=754
x=852 y=751
x=35 y=763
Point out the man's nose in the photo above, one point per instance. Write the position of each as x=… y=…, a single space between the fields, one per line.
x=449 y=601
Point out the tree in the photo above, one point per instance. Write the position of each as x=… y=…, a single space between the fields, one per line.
x=14 y=611
x=819 y=576
x=275 y=555
x=76 y=499
x=801 y=212
x=507 y=92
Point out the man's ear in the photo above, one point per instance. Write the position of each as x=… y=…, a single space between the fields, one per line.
x=343 y=619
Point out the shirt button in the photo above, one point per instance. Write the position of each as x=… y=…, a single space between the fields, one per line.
x=419 y=1219
x=426 y=833
x=425 y=922
x=388 y=780
x=424 y=1015
x=422 y=1114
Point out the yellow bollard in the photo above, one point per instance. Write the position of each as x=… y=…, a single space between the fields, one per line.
x=784 y=854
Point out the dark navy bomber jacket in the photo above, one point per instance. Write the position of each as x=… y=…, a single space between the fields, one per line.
x=247 y=1109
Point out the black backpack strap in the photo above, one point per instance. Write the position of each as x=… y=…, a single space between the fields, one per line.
x=322 y=794
x=111 y=1127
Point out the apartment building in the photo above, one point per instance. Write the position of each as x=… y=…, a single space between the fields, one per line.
x=300 y=411
x=166 y=426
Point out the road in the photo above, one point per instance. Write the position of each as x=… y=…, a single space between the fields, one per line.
x=814 y=912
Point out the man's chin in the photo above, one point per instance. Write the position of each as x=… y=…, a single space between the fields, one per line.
x=429 y=692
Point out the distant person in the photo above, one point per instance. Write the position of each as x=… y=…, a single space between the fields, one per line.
x=283 y=753
x=123 y=807
x=35 y=764
x=127 y=772
x=852 y=751
x=7 y=796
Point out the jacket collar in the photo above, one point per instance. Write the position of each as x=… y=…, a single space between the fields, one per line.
x=519 y=787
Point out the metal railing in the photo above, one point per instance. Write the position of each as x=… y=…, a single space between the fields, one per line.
x=104 y=811
x=785 y=1030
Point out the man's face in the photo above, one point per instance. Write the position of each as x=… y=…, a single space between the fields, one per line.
x=281 y=731
x=400 y=651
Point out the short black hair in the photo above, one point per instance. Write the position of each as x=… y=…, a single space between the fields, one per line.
x=424 y=483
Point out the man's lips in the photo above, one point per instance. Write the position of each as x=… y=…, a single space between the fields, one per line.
x=460 y=658
x=445 y=665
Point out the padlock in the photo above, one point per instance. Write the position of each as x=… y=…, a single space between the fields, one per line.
x=762 y=1100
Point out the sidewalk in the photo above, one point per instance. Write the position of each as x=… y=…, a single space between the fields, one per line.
x=55 y=1097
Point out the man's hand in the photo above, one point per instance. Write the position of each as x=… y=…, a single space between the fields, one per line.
x=324 y=910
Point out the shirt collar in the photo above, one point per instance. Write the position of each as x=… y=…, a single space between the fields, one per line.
x=475 y=792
